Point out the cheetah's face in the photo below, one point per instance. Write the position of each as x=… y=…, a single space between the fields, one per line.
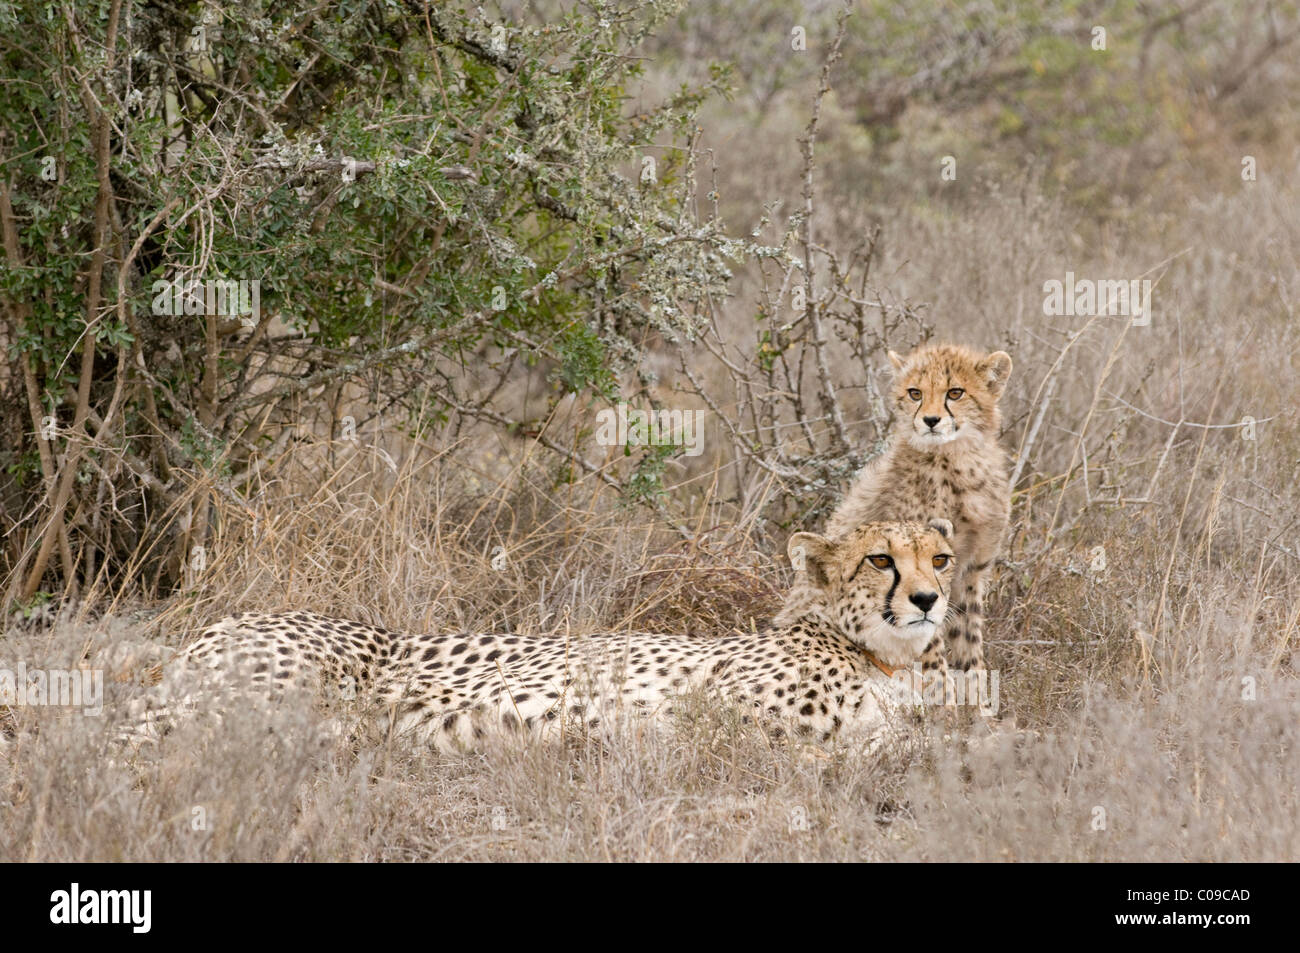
x=886 y=584
x=944 y=393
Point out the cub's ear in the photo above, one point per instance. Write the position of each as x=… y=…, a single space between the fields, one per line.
x=811 y=553
x=995 y=369
x=897 y=361
x=943 y=526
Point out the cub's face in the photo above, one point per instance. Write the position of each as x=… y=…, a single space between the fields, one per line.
x=944 y=393
x=886 y=584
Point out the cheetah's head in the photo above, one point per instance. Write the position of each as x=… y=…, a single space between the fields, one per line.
x=944 y=393
x=885 y=585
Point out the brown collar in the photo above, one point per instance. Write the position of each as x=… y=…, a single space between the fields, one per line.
x=871 y=657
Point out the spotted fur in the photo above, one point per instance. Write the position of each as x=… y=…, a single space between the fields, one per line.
x=943 y=459
x=873 y=601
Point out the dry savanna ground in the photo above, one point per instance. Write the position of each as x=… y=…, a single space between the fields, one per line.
x=1143 y=624
x=1144 y=621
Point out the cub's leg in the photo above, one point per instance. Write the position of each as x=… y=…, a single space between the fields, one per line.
x=935 y=680
x=965 y=627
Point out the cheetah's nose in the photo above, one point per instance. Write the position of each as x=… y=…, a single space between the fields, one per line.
x=930 y=421
x=923 y=600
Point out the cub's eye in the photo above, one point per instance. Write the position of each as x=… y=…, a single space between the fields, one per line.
x=881 y=562
x=913 y=393
x=941 y=561
x=955 y=393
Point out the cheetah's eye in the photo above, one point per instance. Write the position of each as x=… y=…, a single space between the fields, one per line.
x=913 y=393
x=941 y=561
x=881 y=561
x=955 y=393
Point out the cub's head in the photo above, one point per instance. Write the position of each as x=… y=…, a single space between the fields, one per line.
x=943 y=393
x=885 y=585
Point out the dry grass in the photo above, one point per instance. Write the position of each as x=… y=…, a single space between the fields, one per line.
x=1154 y=733
x=1144 y=621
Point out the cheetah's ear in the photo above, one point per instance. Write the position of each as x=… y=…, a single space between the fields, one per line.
x=897 y=361
x=809 y=552
x=943 y=526
x=995 y=369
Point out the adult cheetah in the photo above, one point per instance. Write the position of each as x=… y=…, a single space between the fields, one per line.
x=943 y=459
x=834 y=662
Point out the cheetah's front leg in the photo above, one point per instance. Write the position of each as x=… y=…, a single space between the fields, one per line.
x=935 y=680
x=966 y=623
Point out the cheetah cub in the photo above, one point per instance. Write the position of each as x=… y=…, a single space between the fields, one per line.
x=943 y=459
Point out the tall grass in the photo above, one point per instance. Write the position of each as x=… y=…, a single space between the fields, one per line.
x=1144 y=620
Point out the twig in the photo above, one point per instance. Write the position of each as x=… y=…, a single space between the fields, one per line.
x=830 y=403
x=95 y=277
x=1027 y=445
